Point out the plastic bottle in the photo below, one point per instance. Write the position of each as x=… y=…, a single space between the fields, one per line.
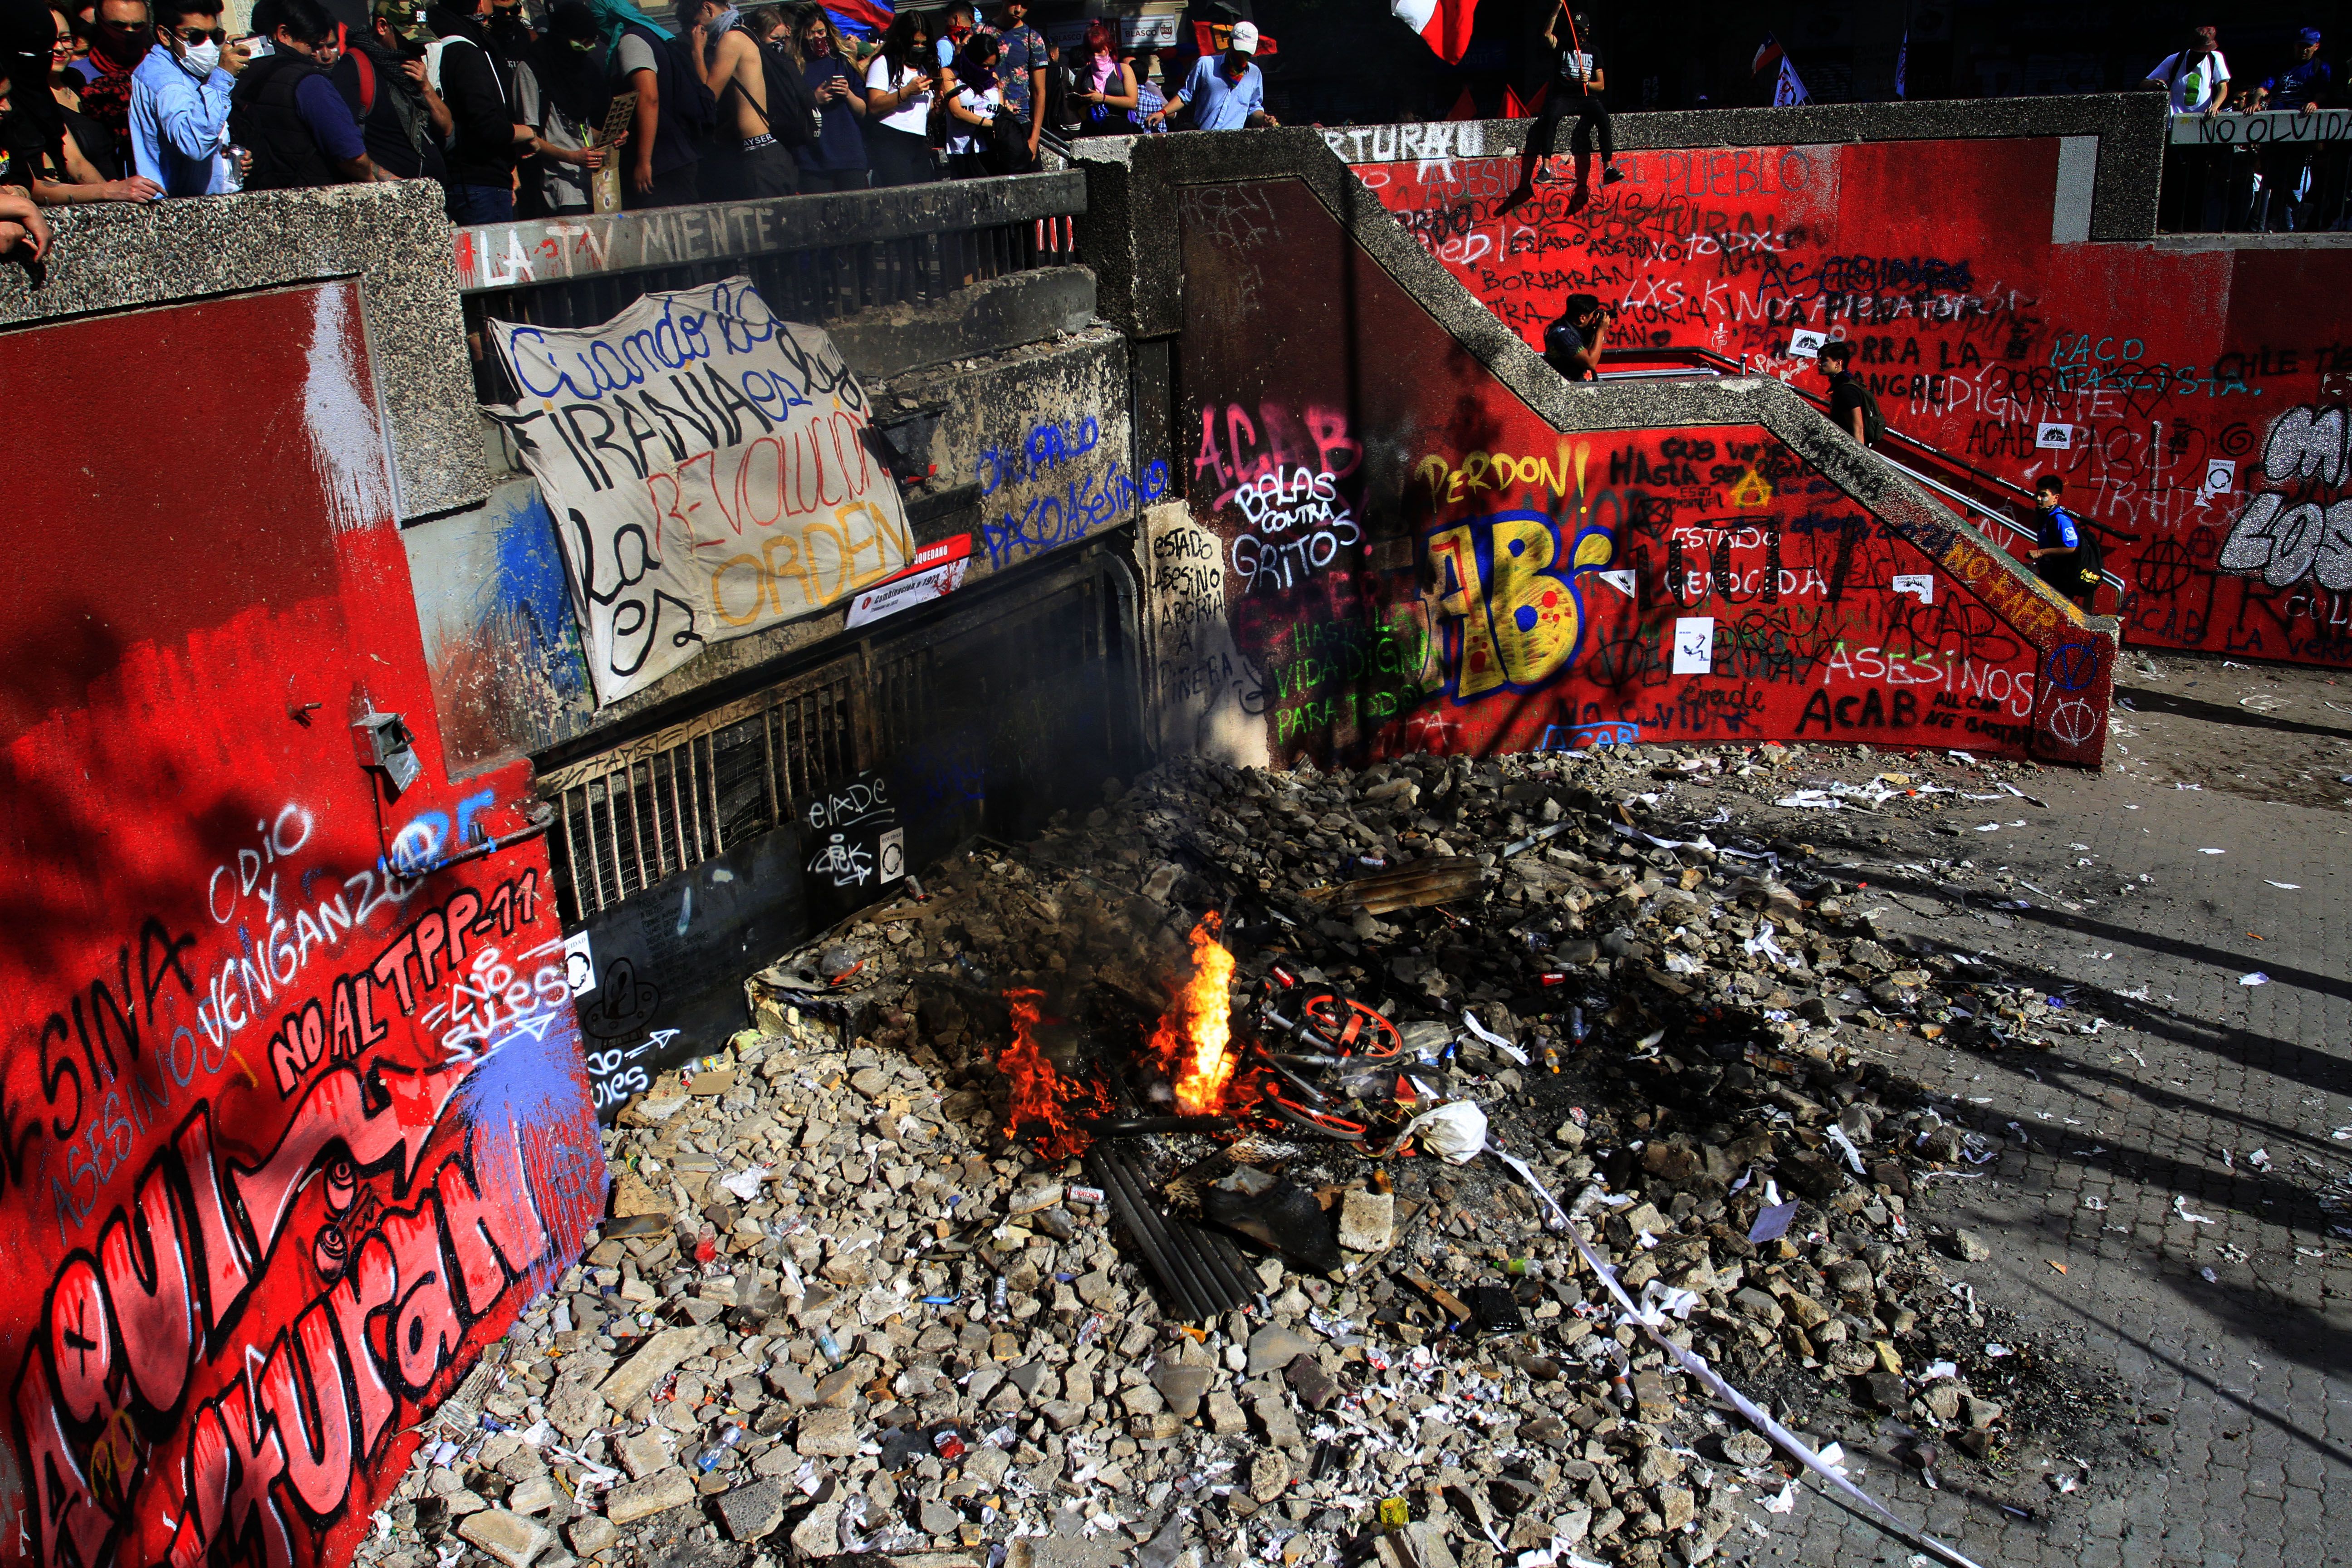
x=707 y=1460
x=829 y=1347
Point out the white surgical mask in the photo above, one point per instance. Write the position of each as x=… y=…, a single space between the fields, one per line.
x=202 y=59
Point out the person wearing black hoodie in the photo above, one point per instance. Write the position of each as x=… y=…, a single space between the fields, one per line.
x=382 y=76
x=463 y=66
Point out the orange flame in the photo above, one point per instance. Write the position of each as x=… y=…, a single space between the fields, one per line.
x=1045 y=1103
x=1195 y=1040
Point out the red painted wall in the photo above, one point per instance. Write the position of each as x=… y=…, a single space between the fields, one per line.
x=1413 y=560
x=286 y=1136
x=1976 y=332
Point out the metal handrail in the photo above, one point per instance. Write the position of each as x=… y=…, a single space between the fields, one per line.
x=1721 y=364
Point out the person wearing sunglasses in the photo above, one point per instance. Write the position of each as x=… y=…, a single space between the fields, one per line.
x=179 y=101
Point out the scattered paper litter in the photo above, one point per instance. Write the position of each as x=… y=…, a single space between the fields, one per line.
x=1786 y=1502
x=2256 y=978
x=2180 y=1207
x=2290 y=887
x=745 y=1185
x=1771 y=1224
x=2212 y=852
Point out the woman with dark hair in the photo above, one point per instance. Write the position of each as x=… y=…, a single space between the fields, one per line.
x=899 y=88
x=836 y=160
x=1103 y=92
x=972 y=112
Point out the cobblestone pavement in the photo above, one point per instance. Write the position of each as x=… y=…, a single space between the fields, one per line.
x=2222 y=1338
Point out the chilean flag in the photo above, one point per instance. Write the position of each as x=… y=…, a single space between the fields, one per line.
x=1444 y=25
x=860 y=16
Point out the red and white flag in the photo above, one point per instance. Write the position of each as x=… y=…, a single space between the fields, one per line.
x=1444 y=25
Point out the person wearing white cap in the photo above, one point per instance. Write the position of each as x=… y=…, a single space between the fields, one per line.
x=1227 y=92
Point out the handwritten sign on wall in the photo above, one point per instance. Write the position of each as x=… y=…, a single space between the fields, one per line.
x=707 y=467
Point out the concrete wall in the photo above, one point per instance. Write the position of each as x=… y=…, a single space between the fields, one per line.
x=1998 y=268
x=275 y=1065
x=1405 y=532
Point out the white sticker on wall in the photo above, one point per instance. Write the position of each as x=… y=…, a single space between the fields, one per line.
x=892 y=858
x=2054 y=438
x=2221 y=478
x=1920 y=585
x=1803 y=344
x=579 y=964
x=1621 y=579
x=1694 y=645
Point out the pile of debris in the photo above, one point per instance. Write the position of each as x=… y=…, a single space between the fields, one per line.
x=942 y=1257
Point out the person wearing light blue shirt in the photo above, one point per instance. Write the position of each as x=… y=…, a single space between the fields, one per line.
x=1227 y=92
x=179 y=103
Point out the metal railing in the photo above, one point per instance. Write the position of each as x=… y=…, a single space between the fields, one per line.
x=1976 y=491
x=815 y=259
x=2274 y=172
x=671 y=800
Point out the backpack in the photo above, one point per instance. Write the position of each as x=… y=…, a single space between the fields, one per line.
x=1874 y=424
x=684 y=98
x=2088 y=553
x=414 y=123
x=793 y=114
x=1005 y=149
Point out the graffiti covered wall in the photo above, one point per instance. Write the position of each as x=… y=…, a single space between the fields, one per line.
x=292 y=1119
x=2185 y=391
x=1412 y=559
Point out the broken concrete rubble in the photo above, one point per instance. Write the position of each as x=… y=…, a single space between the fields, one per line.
x=911 y=1335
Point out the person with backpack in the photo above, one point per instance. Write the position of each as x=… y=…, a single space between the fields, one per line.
x=900 y=82
x=835 y=160
x=972 y=112
x=765 y=113
x=482 y=153
x=2066 y=552
x=286 y=111
x=1853 y=408
x=562 y=88
x=382 y=78
x=675 y=111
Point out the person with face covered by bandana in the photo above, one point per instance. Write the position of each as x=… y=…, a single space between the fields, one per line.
x=512 y=41
x=561 y=91
x=381 y=76
x=179 y=101
x=120 y=41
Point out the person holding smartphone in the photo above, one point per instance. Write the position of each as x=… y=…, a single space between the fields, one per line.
x=900 y=85
x=837 y=160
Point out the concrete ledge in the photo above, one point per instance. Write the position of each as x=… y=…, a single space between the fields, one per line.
x=970 y=323
x=515 y=255
x=123 y=255
x=2130 y=128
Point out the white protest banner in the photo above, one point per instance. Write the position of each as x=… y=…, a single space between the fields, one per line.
x=708 y=467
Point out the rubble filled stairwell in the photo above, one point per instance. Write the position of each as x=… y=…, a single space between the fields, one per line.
x=842 y=1303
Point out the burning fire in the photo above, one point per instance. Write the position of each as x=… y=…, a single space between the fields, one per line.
x=1045 y=1106
x=1195 y=1040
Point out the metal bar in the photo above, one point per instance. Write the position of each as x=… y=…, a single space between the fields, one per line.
x=570 y=853
x=767 y=760
x=612 y=820
x=677 y=814
x=637 y=829
x=711 y=773
x=1150 y=1235
x=653 y=803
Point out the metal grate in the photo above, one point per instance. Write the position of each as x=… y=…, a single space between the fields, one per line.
x=666 y=804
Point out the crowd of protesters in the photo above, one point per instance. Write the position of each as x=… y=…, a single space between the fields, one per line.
x=136 y=100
